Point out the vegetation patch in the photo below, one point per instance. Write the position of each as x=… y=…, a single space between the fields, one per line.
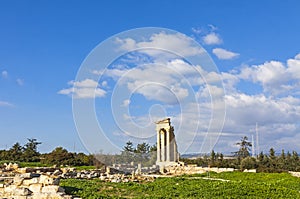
x=240 y=185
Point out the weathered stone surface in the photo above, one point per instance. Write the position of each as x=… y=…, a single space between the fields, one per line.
x=46 y=180
x=28 y=182
x=48 y=196
x=250 y=171
x=52 y=189
x=15 y=190
x=36 y=188
x=296 y=174
x=18 y=180
x=57 y=172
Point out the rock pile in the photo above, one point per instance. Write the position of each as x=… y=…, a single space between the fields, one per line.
x=33 y=186
x=193 y=169
x=138 y=169
x=118 y=178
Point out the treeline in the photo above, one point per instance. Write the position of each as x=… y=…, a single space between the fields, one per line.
x=59 y=156
x=141 y=153
x=146 y=154
x=242 y=160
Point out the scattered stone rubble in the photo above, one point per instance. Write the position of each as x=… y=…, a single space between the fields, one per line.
x=32 y=186
x=31 y=183
x=192 y=169
x=43 y=182
x=294 y=173
x=137 y=169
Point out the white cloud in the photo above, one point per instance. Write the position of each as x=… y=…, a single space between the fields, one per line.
x=212 y=39
x=104 y=84
x=20 y=82
x=212 y=27
x=162 y=42
x=126 y=103
x=268 y=72
x=277 y=118
x=196 y=30
x=167 y=82
x=4 y=74
x=87 y=88
x=6 y=104
x=224 y=54
x=293 y=67
x=275 y=77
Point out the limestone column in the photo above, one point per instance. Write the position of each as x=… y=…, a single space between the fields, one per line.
x=175 y=152
x=168 y=146
x=163 y=147
x=158 y=147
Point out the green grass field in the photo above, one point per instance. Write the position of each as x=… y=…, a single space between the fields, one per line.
x=240 y=185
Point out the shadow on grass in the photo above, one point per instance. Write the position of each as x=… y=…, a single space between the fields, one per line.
x=71 y=190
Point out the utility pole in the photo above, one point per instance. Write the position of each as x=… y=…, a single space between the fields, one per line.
x=257 y=143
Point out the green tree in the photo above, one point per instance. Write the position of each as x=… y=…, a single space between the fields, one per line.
x=128 y=147
x=30 y=150
x=143 y=148
x=212 y=158
x=59 y=156
x=273 y=164
x=282 y=161
x=127 y=155
x=15 y=152
x=244 y=147
x=248 y=163
x=295 y=161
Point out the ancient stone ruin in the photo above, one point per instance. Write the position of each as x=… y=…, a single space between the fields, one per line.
x=167 y=153
x=32 y=186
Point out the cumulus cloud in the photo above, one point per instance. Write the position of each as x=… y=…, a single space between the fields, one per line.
x=87 y=88
x=275 y=77
x=293 y=67
x=162 y=42
x=212 y=39
x=224 y=54
x=168 y=82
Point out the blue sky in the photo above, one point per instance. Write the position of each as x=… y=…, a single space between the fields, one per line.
x=254 y=45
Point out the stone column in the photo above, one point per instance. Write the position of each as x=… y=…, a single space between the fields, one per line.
x=168 y=146
x=158 y=146
x=175 y=151
x=163 y=147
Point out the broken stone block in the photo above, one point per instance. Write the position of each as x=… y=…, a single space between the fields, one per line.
x=46 y=180
x=22 y=170
x=52 y=189
x=18 y=191
x=57 y=173
x=36 y=188
x=18 y=180
x=47 y=196
x=30 y=175
x=10 y=188
x=28 y=182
